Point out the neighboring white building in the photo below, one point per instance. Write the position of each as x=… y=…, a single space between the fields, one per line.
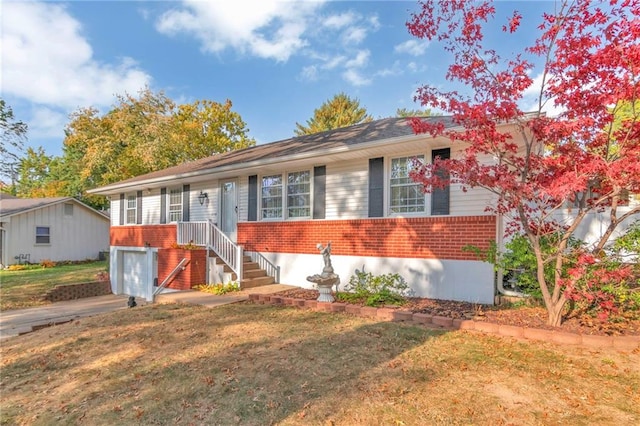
x=57 y=229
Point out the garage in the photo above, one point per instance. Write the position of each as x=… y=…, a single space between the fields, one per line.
x=134 y=273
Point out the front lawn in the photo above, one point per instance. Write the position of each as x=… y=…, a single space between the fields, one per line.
x=24 y=289
x=253 y=364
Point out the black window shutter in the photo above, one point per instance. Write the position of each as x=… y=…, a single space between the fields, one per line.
x=163 y=205
x=139 y=207
x=440 y=196
x=376 y=187
x=319 y=191
x=122 y=201
x=253 y=198
x=185 y=203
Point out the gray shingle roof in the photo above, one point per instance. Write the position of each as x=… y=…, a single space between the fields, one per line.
x=13 y=206
x=386 y=128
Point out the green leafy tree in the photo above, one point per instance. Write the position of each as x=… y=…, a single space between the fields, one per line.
x=403 y=112
x=339 y=111
x=34 y=175
x=12 y=136
x=144 y=134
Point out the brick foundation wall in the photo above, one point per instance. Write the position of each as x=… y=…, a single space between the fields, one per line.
x=426 y=237
x=139 y=235
x=78 y=291
x=194 y=273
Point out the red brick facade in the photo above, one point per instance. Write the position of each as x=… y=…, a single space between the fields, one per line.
x=194 y=273
x=139 y=235
x=426 y=237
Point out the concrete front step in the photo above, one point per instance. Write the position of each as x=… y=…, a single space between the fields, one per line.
x=256 y=282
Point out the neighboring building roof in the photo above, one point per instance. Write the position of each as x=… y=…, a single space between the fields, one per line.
x=312 y=145
x=14 y=206
x=5 y=196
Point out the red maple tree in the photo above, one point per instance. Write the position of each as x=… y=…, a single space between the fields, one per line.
x=587 y=155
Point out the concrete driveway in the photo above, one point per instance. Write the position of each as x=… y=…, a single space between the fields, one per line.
x=20 y=321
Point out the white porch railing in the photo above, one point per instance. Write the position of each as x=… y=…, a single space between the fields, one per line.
x=264 y=264
x=207 y=234
x=195 y=233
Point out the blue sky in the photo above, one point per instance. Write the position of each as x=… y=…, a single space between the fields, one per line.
x=276 y=61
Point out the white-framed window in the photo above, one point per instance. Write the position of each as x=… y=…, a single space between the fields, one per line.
x=271 y=199
x=286 y=201
x=299 y=194
x=43 y=235
x=175 y=205
x=405 y=195
x=68 y=210
x=131 y=208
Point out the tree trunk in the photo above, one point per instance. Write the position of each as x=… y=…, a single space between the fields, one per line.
x=554 y=311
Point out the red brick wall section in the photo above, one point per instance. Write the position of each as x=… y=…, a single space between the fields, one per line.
x=426 y=238
x=138 y=236
x=194 y=273
x=78 y=291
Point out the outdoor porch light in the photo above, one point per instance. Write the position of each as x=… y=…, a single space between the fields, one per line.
x=202 y=197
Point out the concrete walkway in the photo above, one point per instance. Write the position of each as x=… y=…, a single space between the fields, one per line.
x=20 y=321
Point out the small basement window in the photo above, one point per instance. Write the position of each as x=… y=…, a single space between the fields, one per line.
x=43 y=235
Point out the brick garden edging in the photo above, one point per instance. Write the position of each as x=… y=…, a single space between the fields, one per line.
x=622 y=343
x=78 y=291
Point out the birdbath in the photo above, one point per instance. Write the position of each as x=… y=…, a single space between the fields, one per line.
x=327 y=279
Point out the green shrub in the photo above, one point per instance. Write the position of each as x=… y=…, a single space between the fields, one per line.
x=375 y=290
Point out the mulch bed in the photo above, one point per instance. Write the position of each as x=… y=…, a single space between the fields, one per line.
x=525 y=316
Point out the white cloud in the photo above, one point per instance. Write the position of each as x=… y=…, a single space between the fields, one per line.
x=47 y=61
x=354 y=36
x=361 y=59
x=268 y=29
x=354 y=77
x=530 y=99
x=412 y=47
x=395 y=69
x=309 y=73
x=340 y=21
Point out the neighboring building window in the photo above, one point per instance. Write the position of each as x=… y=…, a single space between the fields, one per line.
x=406 y=196
x=299 y=194
x=131 y=208
x=271 y=206
x=42 y=235
x=175 y=205
x=68 y=209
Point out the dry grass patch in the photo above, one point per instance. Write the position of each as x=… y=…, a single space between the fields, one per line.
x=257 y=364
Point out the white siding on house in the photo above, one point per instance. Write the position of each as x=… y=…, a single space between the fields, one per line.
x=115 y=210
x=347 y=190
x=209 y=210
x=151 y=207
x=80 y=236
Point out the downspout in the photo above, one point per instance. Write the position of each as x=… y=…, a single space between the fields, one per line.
x=499 y=249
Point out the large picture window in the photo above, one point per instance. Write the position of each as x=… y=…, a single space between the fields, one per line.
x=271 y=206
x=132 y=208
x=406 y=196
x=299 y=194
x=43 y=235
x=175 y=205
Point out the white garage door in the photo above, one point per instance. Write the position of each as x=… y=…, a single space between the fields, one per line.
x=134 y=273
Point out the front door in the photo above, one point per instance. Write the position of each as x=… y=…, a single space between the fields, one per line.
x=229 y=208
